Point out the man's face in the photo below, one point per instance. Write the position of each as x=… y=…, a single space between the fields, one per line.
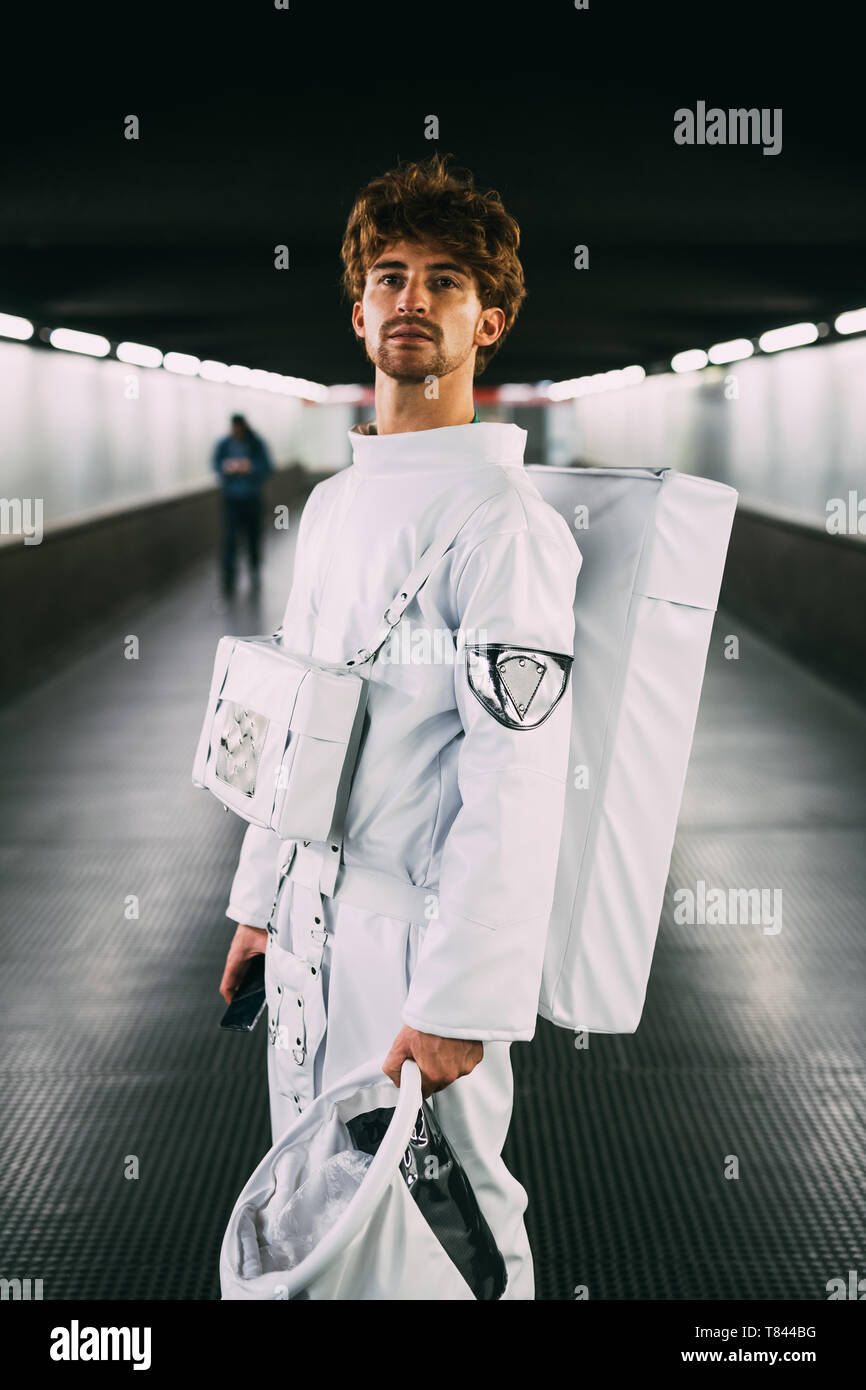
x=237 y=429
x=421 y=315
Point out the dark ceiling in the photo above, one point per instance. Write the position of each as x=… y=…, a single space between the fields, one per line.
x=258 y=125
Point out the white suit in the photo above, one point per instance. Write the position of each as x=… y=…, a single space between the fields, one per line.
x=453 y=825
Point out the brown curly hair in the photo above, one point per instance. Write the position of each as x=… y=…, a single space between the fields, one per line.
x=428 y=201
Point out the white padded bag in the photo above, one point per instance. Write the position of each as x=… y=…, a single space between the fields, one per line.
x=653 y=547
x=320 y=1220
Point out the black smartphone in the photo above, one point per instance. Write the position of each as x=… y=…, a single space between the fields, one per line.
x=245 y=1010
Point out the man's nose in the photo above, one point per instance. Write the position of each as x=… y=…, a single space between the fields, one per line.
x=412 y=299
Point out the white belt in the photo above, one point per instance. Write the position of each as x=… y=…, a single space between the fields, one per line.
x=368 y=889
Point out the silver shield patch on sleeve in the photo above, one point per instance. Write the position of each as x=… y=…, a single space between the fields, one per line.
x=519 y=686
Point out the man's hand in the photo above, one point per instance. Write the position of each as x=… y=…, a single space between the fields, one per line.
x=440 y=1060
x=246 y=943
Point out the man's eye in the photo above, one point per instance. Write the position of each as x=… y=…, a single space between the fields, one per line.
x=383 y=278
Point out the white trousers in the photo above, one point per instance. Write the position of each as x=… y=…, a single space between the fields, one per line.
x=336 y=979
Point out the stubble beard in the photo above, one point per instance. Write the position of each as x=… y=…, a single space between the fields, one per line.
x=393 y=362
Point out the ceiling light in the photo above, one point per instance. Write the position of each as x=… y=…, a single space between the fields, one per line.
x=734 y=351
x=795 y=335
x=11 y=326
x=71 y=340
x=689 y=361
x=853 y=321
x=138 y=355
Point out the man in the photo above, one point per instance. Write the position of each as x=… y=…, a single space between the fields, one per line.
x=431 y=944
x=243 y=462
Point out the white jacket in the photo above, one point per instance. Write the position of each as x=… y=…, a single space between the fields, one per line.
x=452 y=793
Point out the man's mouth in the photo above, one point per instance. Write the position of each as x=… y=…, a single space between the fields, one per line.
x=410 y=333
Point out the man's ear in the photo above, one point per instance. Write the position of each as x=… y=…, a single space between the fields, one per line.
x=493 y=321
x=358 y=318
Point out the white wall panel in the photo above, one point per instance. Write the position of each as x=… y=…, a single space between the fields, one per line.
x=70 y=435
x=794 y=435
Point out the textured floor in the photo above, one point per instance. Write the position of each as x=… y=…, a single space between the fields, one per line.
x=751 y=1044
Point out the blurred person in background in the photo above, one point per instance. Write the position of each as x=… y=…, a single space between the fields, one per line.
x=242 y=461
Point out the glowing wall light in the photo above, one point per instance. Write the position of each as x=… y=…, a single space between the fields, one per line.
x=690 y=361
x=11 y=326
x=138 y=355
x=71 y=340
x=795 y=335
x=181 y=363
x=734 y=351
x=213 y=371
x=852 y=321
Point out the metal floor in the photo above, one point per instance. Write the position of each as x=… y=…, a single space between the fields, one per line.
x=750 y=1044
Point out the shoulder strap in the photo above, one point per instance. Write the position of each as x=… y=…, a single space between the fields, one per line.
x=454 y=519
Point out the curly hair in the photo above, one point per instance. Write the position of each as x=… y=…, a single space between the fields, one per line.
x=428 y=201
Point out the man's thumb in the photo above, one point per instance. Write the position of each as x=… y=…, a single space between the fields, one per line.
x=393 y=1062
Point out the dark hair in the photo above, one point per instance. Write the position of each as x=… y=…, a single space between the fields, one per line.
x=429 y=201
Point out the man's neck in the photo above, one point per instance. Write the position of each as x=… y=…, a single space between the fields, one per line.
x=404 y=407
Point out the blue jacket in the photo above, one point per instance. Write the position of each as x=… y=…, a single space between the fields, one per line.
x=253 y=448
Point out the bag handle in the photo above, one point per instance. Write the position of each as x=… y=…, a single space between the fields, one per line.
x=456 y=517
x=386 y=1162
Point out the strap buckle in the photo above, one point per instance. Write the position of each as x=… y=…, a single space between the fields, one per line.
x=401 y=600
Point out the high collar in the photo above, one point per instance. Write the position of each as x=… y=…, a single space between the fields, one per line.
x=456 y=447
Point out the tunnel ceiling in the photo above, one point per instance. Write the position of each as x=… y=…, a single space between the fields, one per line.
x=258 y=126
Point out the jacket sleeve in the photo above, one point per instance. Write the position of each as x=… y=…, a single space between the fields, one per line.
x=218 y=453
x=478 y=973
x=262 y=461
x=256 y=879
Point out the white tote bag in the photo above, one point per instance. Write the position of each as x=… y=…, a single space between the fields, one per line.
x=362 y=1198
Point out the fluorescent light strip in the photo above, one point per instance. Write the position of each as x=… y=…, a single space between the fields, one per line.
x=794 y=335
x=11 y=326
x=138 y=355
x=71 y=340
x=184 y=364
x=853 y=321
x=181 y=363
x=588 y=385
x=213 y=371
x=692 y=360
x=734 y=351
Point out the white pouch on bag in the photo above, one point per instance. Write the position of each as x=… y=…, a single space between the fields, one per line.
x=282 y=732
x=280 y=736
